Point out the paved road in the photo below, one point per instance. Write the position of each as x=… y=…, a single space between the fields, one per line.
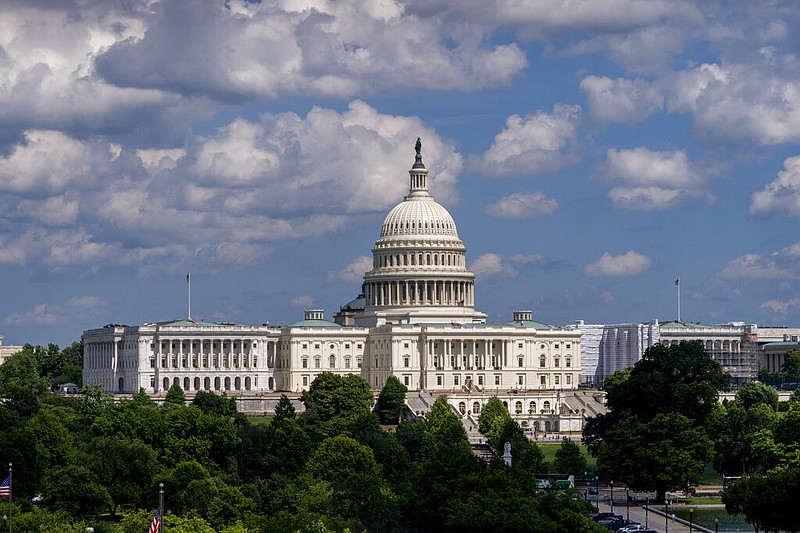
x=652 y=519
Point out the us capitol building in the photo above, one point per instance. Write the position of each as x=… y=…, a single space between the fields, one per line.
x=416 y=320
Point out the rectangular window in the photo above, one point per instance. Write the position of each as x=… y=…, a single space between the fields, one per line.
x=305 y=381
x=316 y=363
x=347 y=363
x=305 y=346
x=358 y=346
x=152 y=362
x=497 y=379
x=521 y=379
x=519 y=345
x=543 y=380
x=556 y=346
x=406 y=380
x=439 y=380
x=557 y=379
x=152 y=381
x=455 y=380
x=316 y=346
x=406 y=362
x=359 y=363
x=480 y=380
x=569 y=379
x=405 y=345
x=347 y=346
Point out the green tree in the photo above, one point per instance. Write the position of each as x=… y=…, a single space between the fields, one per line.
x=74 y=489
x=125 y=467
x=284 y=410
x=680 y=378
x=752 y=393
x=569 y=458
x=493 y=409
x=791 y=365
x=766 y=502
x=334 y=396
x=392 y=401
x=215 y=404
x=743 y=442
x=175 y=396
x=663 y=454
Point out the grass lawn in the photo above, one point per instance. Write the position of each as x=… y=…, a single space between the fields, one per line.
x=550 y=450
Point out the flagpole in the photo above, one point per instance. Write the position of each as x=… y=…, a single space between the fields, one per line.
x=10 y=494
x=678 y=288
x=161 y=506
x=189 y=285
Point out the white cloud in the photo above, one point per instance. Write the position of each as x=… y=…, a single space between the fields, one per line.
x=353 y=272
x=221 y=199
x=755 y=266
x=532 y=259
x=628 y=264
x=539 y=142
x=305 y=302
x=781 y=196
x=76 y=308
x=333 y=49
x=781 y=307
x=491 y=264
x=653 y=179
x=756 y=101
x=621 y=100
x=522 y=205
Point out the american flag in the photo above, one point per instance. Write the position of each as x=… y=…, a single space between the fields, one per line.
x=156 y=522
x=5 y=488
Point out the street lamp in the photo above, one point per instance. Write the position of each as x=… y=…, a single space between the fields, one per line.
x=666 y=515
x=691 y=513
x=716 y=525
x=612 y=496
x=646 y=509
x=627 y=504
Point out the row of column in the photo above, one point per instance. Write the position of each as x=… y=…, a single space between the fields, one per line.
x=420 y=293
x=444 y=357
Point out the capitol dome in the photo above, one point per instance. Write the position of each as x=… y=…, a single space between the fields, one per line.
x=419 y=271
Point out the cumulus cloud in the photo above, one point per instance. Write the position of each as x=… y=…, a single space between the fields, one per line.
x=757 y=101
x=522 y=205
x=621 y=100
x=539 y=142
x=269 y=49
x=628 y=264
x=221 y=199
x=653 y=179
x=353 y=272
x=781 y=196
x=305 y=302
x=76 y=308
x=492 y=264
x=781 y=307
x=755 y=266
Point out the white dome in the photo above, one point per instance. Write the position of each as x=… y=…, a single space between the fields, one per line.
x=419 y=216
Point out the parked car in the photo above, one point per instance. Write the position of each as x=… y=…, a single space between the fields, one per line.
x=604 y=515
x=632 y=527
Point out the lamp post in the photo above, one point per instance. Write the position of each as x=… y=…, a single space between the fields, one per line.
x=666 y=515
x=597 y=490
x=716 y=525
x=646 y=509
x=612 y=496
x=627 y=504
x=691 y=513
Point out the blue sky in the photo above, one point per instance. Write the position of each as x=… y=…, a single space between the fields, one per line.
x=591 y=152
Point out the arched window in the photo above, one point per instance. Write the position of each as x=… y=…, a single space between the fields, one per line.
x=556 y=362
x=462 y=407
x=332 y=361
x=237 y=383
x=531 y=408
x=166 y=383
x=227 y=383
x=542 y=361
x=185 y=383
x=196 y=383
x=518 y=408
x=546 y=406
x=476 y=408
x=568 y=362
